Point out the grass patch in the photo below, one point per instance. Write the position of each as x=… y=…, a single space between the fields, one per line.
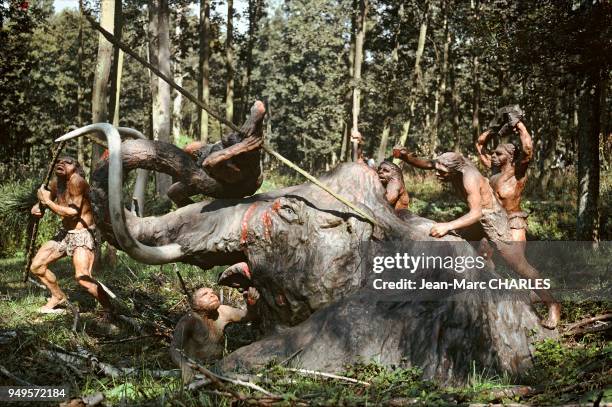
x=153 y=293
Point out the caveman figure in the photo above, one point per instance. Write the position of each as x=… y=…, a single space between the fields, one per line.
x=485 y=209
x=199 y=334
x=509 y=166
x=390 y=175
x=68 y=197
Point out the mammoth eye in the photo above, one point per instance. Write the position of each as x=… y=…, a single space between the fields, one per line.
x=289 y=212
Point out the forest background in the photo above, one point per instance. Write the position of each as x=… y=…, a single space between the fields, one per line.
x=428 y=74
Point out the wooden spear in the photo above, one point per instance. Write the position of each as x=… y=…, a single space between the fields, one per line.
x=36 y=221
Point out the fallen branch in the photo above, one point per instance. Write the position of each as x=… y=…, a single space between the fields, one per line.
x=85 y=358
x=589 y=320
x=588 y=330
x=36 y=283
x=197 y=384
x=130 y=339
x=508 y=393
x=328 y=375
x=219 y=379
x=8 y=374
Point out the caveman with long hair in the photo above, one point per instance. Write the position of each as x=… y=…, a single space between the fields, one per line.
x=68 y=197
x=484 y=209
x=509 y=165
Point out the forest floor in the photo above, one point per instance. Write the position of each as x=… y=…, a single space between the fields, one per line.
x=92 y=356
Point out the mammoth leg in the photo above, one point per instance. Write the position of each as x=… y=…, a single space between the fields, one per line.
x=225 y=164
x=180 y=194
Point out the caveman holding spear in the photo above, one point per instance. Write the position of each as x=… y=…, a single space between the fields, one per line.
x=67 y=196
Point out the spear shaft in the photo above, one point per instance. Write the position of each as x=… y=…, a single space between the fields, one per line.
x=36 y=221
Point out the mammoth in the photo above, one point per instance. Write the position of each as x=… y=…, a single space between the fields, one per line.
x=306 y=253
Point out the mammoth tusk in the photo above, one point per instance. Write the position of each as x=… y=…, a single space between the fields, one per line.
x=138 y=197
x=147 y=254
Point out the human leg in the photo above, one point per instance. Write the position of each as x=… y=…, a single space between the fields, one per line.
x=49 y=252
x=514 y=254
x=83 y=260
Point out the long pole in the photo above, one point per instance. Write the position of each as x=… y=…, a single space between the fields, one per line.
x=36 y=221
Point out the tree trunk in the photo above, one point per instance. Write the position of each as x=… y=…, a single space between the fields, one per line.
x=203 y=67
x=229 y=62
x=416 y=77
x=391 y=94
x=440 y=93
x=455 y=107
x=99 y=95
x=80 y=96
x=255 y=11
x=116 y=68
x=476 y=81
x=177 y=67
x=384 y=140
x=159 y=30
x=589 y=115
x=475 y=99
x=360 y=31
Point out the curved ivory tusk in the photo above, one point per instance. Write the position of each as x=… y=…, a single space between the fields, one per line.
x=146 y=254
x=138 y=196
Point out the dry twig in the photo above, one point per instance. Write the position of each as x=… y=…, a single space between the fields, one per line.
x=18 y=380
x=328 y=375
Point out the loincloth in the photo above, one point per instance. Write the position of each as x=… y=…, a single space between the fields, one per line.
x=69 y=240
x=517 y=220
x=494 y=222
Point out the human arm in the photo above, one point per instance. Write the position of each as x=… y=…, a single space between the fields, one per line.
x=403 y=154
x=77 y=189
x=481 y=143
x=392 y=192
x=236 y=315
x=51 y=192
x=471 y=183
x=526 y=149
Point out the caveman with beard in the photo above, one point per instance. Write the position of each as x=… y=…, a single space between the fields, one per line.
x=485 y=209
x=390 y=175
x=68 y=197
x=509 y=166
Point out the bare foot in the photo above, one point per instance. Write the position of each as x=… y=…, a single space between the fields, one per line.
x=554 y=315
x=49 y=307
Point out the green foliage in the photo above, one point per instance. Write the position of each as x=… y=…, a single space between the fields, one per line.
x=301 y=72
x=16 y=199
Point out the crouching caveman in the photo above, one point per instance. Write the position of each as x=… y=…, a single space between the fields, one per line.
x=484 y=209
x=390 y=175
x=199 y=334
x=68 y=197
